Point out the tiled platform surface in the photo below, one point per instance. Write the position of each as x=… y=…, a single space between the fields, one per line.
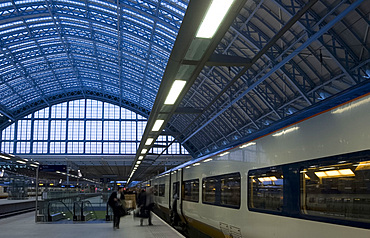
x=24 y=226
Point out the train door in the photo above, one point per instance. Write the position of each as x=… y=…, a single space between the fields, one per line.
x=175 y=200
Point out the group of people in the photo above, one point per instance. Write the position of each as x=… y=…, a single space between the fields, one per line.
x=145 y=204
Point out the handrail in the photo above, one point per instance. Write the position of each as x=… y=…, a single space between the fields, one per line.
x=92 y=208
x=49 y=215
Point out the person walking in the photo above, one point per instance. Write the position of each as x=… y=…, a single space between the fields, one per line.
x=115 y=202
x=149 y=204
x=141 y=201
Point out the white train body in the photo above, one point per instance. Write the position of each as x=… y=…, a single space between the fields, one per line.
x=340 y=131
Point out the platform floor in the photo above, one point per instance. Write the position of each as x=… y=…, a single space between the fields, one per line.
x=24 y=226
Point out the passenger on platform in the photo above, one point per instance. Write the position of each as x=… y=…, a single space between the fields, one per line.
x=115 y=201
x=150 y=204
x=174 y=216
x=145 y=204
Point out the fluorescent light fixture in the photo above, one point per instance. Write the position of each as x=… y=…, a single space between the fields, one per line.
x=332 y=173
x=138 y=162
x=273 y=178
x=136 y=165
x=4 y=157
x=149 y=141
x=225 y=153
x=196 y=164
x=143 y=151
x=187 y=167
x=34 y=165
x=214 y=16
x=320 y=174
x=346 y=172
x=246 y=145
x=21 y=161
x=335 y=173
x=283 y=132
x=140 y=157
x=175 y=91
x=157 y=125
x=207 y=160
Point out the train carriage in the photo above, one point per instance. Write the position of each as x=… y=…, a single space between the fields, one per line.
x=311 y=179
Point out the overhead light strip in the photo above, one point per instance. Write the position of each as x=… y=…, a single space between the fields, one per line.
x=175 y=91
x=158 y=124
x=149 y=141
x=215 y=14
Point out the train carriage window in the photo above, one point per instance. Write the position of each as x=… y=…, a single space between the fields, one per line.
x=161 y=190
x=230 y=190
x=155 y=191
x=222 y=190
x=191 y=190
x=338 y=190
x=266 y=189
x=175 y=189
x=209 y=190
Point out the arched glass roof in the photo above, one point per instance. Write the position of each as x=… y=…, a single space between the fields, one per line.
x=80 y=127
x=301 y=57
x=57 y=50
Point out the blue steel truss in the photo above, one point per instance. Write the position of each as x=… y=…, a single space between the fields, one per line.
x=314 y=65
x=54 y=51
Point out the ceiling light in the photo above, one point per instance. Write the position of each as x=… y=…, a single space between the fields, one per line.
x=143 y=151
x=140 y=157
x=4 y=157
x=157 y=125
x=175 y=91
x=149 y=141
x=21 y=161
x=138 y=162
x=196 y=164
x=207 y=160
x=34 y=165
x=214 y=16
x=320 y=174
x=332 y=173
x=225 y=153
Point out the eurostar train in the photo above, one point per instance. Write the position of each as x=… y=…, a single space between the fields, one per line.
x=311 y=179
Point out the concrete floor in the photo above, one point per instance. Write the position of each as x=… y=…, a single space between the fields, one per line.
x=24 y=226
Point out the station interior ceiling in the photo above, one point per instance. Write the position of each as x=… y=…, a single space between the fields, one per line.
x=270 y=64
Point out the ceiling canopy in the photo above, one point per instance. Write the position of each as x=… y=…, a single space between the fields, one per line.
x=301 y=57
x=57 y=50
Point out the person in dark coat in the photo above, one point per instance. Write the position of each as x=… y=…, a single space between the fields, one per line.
x=115 y=202
x=146 y=204
x=141 y=201
x=149 y=204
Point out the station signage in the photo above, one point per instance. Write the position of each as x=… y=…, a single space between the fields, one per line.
x=53 y=168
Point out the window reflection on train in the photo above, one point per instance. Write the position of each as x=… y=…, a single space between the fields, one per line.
x=339 y=190
x=266 y=189
x=222 y=190
x=191 y=190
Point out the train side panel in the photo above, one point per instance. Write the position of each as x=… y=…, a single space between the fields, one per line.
x=338 y=131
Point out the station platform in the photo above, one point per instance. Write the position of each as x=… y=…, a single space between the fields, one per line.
x=24 y=225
